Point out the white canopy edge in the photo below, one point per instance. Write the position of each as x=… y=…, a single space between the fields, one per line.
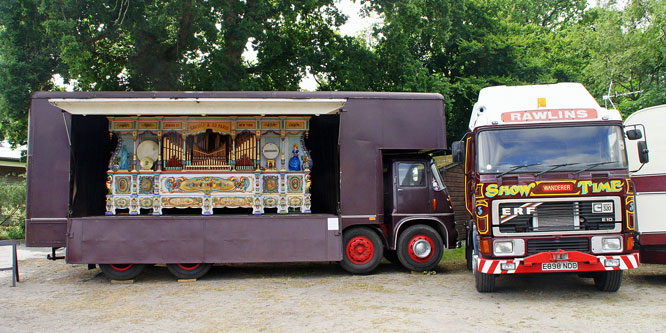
x=197 y=106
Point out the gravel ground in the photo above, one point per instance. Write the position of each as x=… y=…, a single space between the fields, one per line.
x=58 y=297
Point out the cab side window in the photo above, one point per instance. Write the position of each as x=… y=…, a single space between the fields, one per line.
x=411 y=174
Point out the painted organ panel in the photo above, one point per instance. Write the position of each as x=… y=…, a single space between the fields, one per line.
x=205 y=163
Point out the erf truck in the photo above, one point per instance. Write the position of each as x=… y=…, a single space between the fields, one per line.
x=547 y=186
x=188 y=179
x=650 y=180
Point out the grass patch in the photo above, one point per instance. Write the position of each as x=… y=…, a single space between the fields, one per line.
x=454 y=255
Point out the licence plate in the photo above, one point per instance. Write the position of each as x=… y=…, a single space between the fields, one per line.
x=559 y=266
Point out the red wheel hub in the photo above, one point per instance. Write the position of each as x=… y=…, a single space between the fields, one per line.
x=188 y=267
x=360 y=250
x=121 y=267
x=416 y=250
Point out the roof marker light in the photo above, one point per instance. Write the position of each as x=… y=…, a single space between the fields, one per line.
x=541 y=102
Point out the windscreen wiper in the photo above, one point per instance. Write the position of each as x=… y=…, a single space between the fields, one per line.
x=516 y=168
x=553 y=167
x=592 y=165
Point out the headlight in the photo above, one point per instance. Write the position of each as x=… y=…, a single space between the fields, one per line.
x=611 y=244
x=605 y=244
x=503 y=247
x=512 y=247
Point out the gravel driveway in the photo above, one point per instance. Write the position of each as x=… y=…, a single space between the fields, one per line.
x=57 y=297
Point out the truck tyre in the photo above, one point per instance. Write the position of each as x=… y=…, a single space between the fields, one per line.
x=122 y=271
x=420 y=248
x=188 y=271
x=362 y=250
x=391 y=256
x=608 y=280
x=469 y=251
x=485 y=283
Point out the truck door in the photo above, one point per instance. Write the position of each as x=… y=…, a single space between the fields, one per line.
x=410 y=188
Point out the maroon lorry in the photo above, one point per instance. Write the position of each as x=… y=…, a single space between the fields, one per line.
x=188 y=179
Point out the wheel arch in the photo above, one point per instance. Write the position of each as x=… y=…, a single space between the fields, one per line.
x=375 y=228
x=433 y=222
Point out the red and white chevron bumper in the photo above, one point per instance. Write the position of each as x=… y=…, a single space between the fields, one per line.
x=558 y=262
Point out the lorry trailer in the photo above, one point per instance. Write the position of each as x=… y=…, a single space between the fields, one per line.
x=189 y=179
x=650 y=180
x=547 y=186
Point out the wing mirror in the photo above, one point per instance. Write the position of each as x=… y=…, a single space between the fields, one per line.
x=634 y=134
x=643 y=152
x=458 y=151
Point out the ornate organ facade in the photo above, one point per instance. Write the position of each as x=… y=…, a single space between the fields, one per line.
x=208 y=163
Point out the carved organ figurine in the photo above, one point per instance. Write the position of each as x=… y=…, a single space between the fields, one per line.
x=205 y=162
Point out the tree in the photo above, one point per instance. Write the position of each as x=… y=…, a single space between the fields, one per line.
x=157 y=45
x=26 y=64
x=628 y=48
x=457 y=47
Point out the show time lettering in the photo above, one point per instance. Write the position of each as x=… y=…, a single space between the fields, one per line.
x=608 y=187
x=585 y=187
x=494 y=189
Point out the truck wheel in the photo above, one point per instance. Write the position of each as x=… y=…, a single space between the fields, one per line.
x=362 y=250
x=608 y=280
x=188 y=271
x=485 y=283
x=420 y=248
x=122 y=271
x=468 y=252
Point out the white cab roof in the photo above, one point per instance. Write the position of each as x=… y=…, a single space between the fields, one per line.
x=544 y=103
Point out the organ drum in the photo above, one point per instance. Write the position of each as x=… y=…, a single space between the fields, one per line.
x=206 y=163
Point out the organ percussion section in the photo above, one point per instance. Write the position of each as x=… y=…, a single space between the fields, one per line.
x=208 y=162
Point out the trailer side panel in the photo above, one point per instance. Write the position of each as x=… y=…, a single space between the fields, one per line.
x=48 y=189
x=208 y=239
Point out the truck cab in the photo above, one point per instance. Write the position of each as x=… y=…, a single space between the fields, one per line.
x=418 y=213
x=547 y=186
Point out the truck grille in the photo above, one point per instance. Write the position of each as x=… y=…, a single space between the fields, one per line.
x=555 y=216
x=550 y=245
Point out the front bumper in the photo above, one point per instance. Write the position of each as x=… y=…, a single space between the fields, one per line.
x=534 y=263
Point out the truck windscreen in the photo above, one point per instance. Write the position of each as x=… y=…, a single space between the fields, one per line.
x=544 y=149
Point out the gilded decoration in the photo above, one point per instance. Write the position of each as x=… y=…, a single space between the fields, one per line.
x=146 y=202
x=207 y=184
x=123 y=185
x=146 y=185
x=121 y=202
x=232 y=202
x=134 y=205
x=295 y=184
x=295 y=201
x=270 y=202
x=182 y=202
x=271 y=184
x=208 y=162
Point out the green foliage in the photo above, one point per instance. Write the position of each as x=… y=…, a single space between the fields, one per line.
x=457 y=47
x=453 y=47
x=12 y=208
x=628 y=48
x=156 y=45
